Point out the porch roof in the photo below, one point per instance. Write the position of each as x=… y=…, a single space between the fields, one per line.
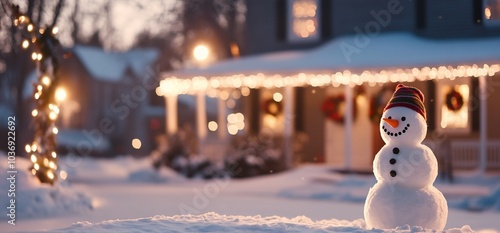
x=356 y=59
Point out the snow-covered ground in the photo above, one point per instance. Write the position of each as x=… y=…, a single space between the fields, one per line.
x=125 y=195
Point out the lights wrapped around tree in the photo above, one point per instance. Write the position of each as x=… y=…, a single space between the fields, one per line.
x=42 y=151
x=454 y=100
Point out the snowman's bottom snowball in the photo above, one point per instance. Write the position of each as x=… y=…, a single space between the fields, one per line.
x=389 y=206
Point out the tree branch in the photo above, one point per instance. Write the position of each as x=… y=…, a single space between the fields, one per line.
x=41 y=5
x=57 y=12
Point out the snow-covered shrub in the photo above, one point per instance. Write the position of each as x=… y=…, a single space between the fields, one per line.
x=255 y=156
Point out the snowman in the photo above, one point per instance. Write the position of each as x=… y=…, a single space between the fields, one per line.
x=405 y=169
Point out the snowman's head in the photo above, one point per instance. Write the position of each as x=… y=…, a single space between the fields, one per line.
x=402 y=125
x=403 y=120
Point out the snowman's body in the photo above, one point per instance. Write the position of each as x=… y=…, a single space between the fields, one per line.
x=405 y=170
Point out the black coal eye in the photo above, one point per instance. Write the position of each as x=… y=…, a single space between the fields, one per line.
x=403 y=118
x=389 y=117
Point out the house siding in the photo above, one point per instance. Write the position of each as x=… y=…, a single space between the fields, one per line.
x=455 y=18
x=351 y=16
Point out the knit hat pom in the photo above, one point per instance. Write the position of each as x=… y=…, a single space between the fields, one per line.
x=410 y=97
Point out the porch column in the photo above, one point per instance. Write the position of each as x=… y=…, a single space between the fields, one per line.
x=288 y=110
x=171 y=116
x=348 y=126
x=201 y=117
x=483 y=140
x=221 y=118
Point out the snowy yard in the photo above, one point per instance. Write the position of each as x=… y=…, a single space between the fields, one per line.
x=124 y=195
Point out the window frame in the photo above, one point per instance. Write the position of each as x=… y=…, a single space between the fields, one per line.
x=291 y=37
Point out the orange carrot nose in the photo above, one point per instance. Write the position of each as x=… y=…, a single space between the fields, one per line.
x=393 y=123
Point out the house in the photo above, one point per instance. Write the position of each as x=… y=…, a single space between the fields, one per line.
x=349 y=53
x=108 y=101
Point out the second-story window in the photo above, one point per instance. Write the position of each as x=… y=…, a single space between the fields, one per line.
x=303 y=20
x=491 y=12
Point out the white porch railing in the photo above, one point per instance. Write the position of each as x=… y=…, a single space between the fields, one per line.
x=465 y=153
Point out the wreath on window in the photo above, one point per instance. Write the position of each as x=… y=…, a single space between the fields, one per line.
x=378 y=102
x=454 y=100
x=272 y=107
x=334 y=108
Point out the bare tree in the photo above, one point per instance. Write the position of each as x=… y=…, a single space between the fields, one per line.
x=214 y=21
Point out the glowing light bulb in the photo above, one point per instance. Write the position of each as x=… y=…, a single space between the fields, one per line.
x=136 y=143
x=54 y=155
x=46 y=80
x=55 y=30
x=34 y=113
x=50 y=174
x=63 y=175
x=201 y=52
x=52 y=165
x=27 y=148
x=278 y=97
x=61 y=94
x=33 y=158
x=36 y=166
x=25 y=44
x=55 y=130
x=33 y=56
x=30 y=27
x=212 y=126
x=52 y=115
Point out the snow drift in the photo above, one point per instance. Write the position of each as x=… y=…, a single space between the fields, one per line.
x=34 y=199
x=213 y=222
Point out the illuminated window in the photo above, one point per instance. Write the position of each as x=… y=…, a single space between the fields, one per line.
x=303 y=18
x=453 y=106
x=491 y=12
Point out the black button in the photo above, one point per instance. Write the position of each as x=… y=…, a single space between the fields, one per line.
x=395 y=150
x=392 y=161
x=393 y=173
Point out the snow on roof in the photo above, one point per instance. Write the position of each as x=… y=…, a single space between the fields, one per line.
x=384 y=51
x=111 y=66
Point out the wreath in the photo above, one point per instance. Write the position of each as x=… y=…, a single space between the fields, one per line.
x=378 y=102
x=272 y=107
x=454 y=100
x=333 y=109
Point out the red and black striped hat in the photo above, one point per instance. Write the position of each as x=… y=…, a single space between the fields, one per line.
x=410 y=97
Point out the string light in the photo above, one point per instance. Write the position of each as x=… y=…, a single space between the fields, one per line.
x=63 y=175
x=25 y=44
x=46 y=80
x=42 y=149
x=52 y=115
x=175 y=85
x=50 y=174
